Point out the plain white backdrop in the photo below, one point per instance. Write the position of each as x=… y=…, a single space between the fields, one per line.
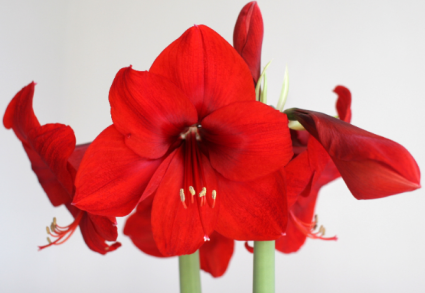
x=73 y=49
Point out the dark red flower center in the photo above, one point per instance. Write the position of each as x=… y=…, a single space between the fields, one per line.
x=59 y=233
x=194 y=181
x=309 y=229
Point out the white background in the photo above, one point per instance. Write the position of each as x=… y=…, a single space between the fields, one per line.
x=73 y=50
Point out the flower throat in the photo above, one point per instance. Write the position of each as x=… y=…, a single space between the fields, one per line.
x=194 y=180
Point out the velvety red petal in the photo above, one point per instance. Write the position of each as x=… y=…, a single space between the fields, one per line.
x=215 y=254
x=207 y=69
x=157 y=176
x=94 y=240
x=56 y=193
x=20 y=115
x=343 y=104
x=254 y=210
x=77 y=155
x=105 y=227
x=371 y=166
x=303 y=209
x=248 y=37
x=111 y=177
x=298 y=175
x=54 y=143
x=138 y=227
x=149 y=111
x=247 y=140
x=178 y=230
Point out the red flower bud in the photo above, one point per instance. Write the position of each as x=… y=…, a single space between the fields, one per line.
x=248 y=37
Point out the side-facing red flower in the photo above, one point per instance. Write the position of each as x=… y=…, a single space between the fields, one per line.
x=315 y=166
x=55 y=160
x=190 y=132
x=248 y=37
x=214 y=255
x=372 y=166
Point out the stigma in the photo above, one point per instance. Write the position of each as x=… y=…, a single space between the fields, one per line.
x=61 y=234
x=310 y=229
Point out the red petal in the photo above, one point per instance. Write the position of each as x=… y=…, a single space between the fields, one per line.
x=178 y=230
x=111 y=178
x=254 y=210
x=149 y=111
x=298 y=175
x=371 y=166
x=54 y=143
x=138 y=227
x=343 y=104
x=239 y=139
x=248 y=37
x=303 y=209
x=48 y=149
x=94 y=240
x=105 y=227
x=215 y=254
x=20 y=115
x=78 y=154
x=208 y=70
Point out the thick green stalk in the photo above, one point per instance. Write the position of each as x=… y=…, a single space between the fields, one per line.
x=264 y=267
x=190 y=278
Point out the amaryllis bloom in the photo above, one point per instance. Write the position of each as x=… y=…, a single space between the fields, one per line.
x=314 y=166
x=372 y=166
x=55 y=160
x=190 y=133
x=214 y=255
x=248 y=37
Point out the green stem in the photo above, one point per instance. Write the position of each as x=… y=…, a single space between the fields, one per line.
x=190 y=278
x=264 y=267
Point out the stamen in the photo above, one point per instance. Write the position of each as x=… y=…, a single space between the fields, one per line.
x=202 y=195
x=214 y=196
x=182 y=198
x=192 y=192
x=308 y=228
x=61 y=234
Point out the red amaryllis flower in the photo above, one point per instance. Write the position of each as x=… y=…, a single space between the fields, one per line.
x=372 y=166
x=214 y=255
x=313 y=167
x=55 y=160
x=190 y=132
x=248 y=37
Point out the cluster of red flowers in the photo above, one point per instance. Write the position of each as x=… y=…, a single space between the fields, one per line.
x=201 y=161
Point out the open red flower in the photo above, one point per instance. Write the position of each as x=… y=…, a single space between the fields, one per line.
x=190 y=132
x=315 y=166
x=372 y=166
x=214 y=255
x=55 y=160
x=248 y=37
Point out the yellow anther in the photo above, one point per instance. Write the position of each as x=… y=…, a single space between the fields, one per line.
x=54 y=221
x=48 y=230
x=48 y=240
x=203 y=192
x=214 y=194
x=52 y=227
x=182 y=198
x=322 y=230
x=192 y=190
